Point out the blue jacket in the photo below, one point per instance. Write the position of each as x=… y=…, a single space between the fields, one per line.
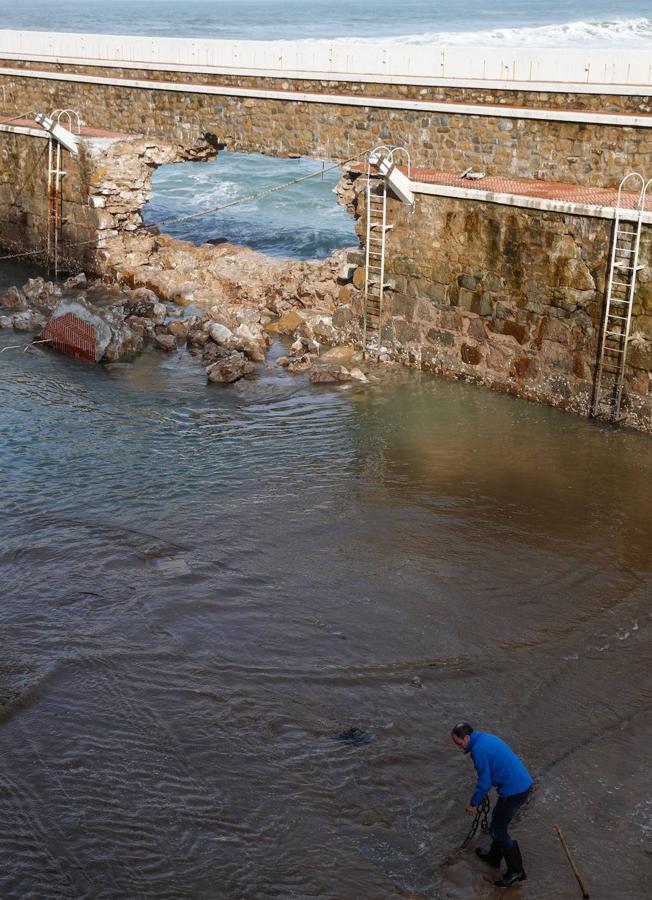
x=497 y=766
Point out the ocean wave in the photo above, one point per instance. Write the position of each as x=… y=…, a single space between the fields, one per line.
x=633 y=34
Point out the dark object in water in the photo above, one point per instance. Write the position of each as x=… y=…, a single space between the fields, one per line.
x=216 y=241
x=355 y=736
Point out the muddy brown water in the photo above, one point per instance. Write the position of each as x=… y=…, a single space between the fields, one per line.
x=202 y=587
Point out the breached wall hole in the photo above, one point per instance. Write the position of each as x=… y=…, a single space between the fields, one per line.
x=304 y=221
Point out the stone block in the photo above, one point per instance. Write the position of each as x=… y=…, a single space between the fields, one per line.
x=523 y=367
x=510 y=328
x=469 y=282
x=406 y=332
x=555 y=356
x=482 y=305
x=477 y=330
x=639 y=355
x=557 y=330
x=470 y=354
x=446 y=338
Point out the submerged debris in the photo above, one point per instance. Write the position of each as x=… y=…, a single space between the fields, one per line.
x=355 y=736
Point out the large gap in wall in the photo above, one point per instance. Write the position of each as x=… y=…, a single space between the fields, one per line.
x=302 y=221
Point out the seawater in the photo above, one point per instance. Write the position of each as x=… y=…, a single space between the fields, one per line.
x=202 y=587
x=549 y=23
x=301 y=221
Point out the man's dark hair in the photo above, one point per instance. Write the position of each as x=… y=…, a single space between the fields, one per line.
x=462 y=730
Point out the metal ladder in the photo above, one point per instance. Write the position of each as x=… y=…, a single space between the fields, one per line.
x=58 y=137
x=375 y=248
x=623 y=268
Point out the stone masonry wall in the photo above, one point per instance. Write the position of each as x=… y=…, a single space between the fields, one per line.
x=103 y=192
x=511 y=298
x=23 y=194
x=589 y=154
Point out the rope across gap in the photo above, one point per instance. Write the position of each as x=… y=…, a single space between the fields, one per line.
x=205 y=212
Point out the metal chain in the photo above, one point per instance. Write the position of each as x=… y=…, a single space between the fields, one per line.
x=481 y=819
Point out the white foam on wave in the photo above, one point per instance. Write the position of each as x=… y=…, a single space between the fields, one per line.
x=633 y=34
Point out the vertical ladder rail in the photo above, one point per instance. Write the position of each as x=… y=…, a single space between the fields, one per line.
x=366 y=263
x=613 y=331
x=630 y=300
x=381 y=283
x=57 y=209
x=49 y=201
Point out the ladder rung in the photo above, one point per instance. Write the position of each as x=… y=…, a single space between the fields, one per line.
x=621 y=283
x=616 y=334
x=626 y=232
x=611 y=316
x=612 y=350
x=624 y=249
x=616 y=300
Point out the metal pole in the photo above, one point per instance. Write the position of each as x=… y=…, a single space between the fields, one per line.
x=49 y=200
x=57 y=200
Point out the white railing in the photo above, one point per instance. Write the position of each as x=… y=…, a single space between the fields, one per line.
x=344 y=61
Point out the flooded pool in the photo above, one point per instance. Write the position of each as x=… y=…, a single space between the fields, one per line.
x=204 y=587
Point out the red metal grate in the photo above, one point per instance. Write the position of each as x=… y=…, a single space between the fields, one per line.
x=70 y=334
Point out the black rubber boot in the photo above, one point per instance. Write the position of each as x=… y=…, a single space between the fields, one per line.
x=515 y=871
x=492 y=856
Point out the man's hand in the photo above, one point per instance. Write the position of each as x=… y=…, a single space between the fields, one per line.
x=470 y=810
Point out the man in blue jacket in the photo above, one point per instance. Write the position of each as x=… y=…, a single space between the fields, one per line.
x=497 y=766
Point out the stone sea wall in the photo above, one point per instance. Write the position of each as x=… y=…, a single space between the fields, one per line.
x=511 y=298
x=24 y=194
x=102 y=194
x=582 y=153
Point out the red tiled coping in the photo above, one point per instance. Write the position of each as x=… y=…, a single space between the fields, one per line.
x=525 y=187
x=84 y=131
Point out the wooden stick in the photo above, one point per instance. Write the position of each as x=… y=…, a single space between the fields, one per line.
x=570 y=859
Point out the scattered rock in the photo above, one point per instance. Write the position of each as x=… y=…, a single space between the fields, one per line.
x=166 y=342
x=300 y=364
x=219 y=333
x=42 y=295
x=30 y=320
x=288 y=323
x=339 y=354
x=330 y=375
x=212 y=352
x=231 y=369
x=359 y=375
x=343 y=317
x=13 y=298
x=76 y=281
x=416 y=682
x=179 y=330
x=251 y=343
x=145 y=304
x=6 y=322
x=345 y=274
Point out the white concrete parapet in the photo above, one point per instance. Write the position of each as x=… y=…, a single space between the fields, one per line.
x=590 y=70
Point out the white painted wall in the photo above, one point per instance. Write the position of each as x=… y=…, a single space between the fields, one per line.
x=550 y=69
